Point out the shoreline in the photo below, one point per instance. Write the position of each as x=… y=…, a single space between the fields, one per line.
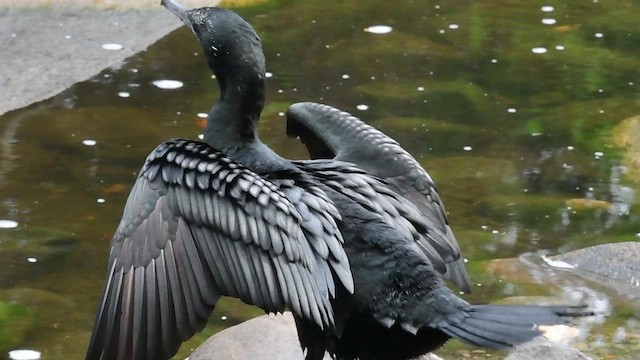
x=50 y=45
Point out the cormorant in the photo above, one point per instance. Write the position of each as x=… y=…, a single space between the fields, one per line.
x=355 y=250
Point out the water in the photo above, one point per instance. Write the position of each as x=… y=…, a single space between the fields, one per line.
x=516 y=139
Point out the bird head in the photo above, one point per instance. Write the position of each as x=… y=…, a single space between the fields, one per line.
x=229 y=42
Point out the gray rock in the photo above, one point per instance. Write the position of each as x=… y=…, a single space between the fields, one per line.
x=274 y=337
x=544 y=349
x=267 y=337
x=614 y=265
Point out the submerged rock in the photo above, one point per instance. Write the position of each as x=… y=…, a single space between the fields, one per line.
x=23 y=250
x=53 y=317
x=627 y=135
x=16 y=321
x=36 y=241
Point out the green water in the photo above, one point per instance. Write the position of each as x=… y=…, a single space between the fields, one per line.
x=510 y=136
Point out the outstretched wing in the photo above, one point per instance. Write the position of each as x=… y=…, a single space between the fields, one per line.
x=197 y=226
x=331 y=133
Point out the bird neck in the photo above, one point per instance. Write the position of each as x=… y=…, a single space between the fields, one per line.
x=233 y=120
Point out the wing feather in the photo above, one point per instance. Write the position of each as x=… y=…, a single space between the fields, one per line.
x=330 y=133
x=153 y=330
x=177 y=304
x=198 y=226
x=139 y=315
x=234 y=266
x=167 y=315
x=263 y=298
x=113 y=321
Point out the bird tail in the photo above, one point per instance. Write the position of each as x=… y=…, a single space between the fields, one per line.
x=502 y=326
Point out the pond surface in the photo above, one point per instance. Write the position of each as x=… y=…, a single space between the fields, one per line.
x=513 y=107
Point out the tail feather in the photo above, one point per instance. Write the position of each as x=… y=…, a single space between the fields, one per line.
x=497 y=327
x=470 y=336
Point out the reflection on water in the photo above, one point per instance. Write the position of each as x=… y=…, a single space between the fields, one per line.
x=512 y=107
x=8 y=224
x=165 y=84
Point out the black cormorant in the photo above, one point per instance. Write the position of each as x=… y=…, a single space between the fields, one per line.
x=355 y=250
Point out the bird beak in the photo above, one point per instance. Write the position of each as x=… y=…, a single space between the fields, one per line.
x=180 y=11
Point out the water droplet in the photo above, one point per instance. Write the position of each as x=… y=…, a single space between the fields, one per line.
x=494 y=61
x=539 y=50
x=67 y=37
x=570 y=147
x=420 y=88
x=560 y=47
x=512 y=110
x=24 y=355
x=89 y=142
x=101 y=201
x=345 y=76
x=547 y=8
x=112 y=46
x=598 y=154
x=268 y=74
x=32 y=260
x=280 y=113
x=598 y=35
x=223 y=318
x=201 y=136
x=124 y=94
x=203 y=115
x=467 y=148
x=379 y=29
x=8 y=224
x=549 y=21
x=454 y=26
x=168 y=84
x=362 y=107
